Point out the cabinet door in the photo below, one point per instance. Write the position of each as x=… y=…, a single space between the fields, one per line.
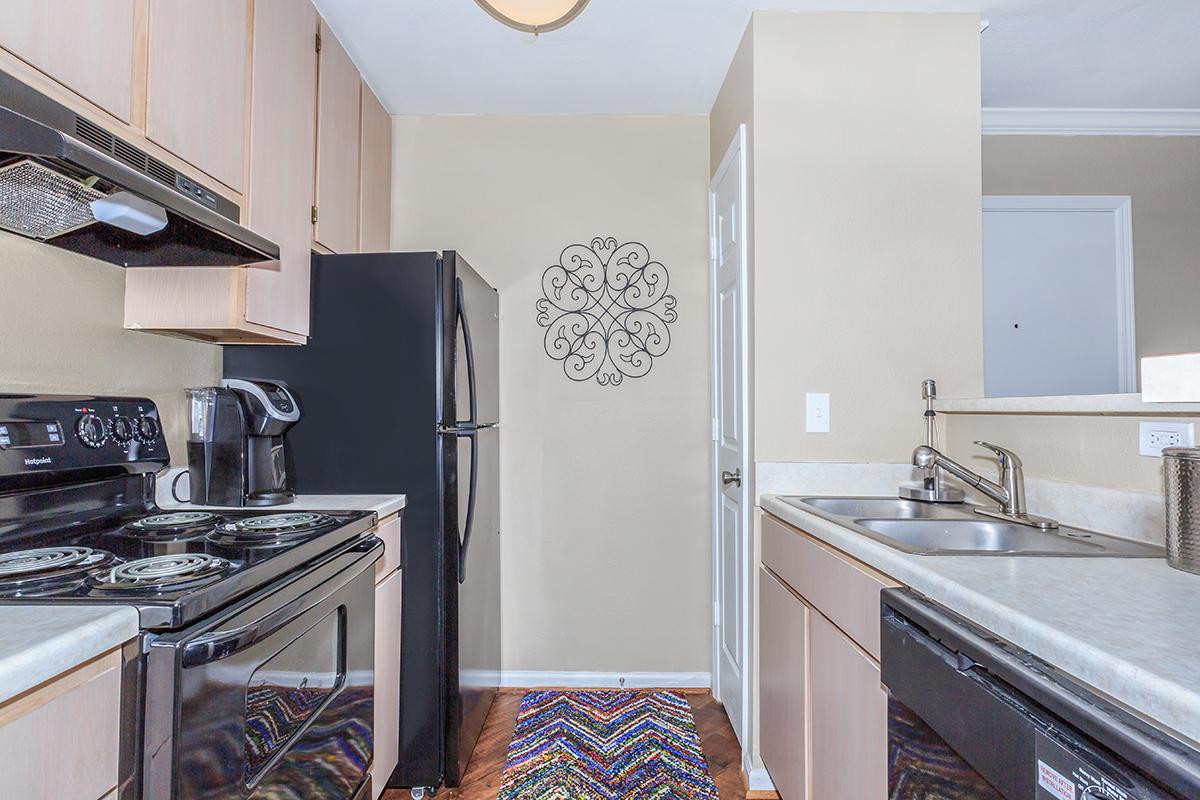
x=196 y=84
x=387 y=680
x=282 y=155
x=86 y=46
x=338 y=146
x=62 y=739
x=375 y=193
x=783 y=686
x=848 y=718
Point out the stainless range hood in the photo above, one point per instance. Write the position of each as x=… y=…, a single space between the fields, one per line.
x=55 y=163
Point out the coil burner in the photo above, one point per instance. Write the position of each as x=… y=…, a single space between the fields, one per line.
x=272 y=529
x=161 y=572
x=174 y=525
x=48 y=570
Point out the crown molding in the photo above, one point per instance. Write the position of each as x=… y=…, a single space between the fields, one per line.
x=1091 y=121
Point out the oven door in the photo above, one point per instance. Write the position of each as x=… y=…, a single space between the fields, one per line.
x=274 y=699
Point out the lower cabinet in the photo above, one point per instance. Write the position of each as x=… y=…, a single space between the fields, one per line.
x=387 y=656
x=783 y=686
x=61 y=739
x=823 y=709
x=849 y=718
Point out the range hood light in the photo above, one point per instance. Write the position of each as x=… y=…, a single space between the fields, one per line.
x=534 y=16
x=129 y=212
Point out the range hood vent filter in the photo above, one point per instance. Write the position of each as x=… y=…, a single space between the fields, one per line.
x=37 y=201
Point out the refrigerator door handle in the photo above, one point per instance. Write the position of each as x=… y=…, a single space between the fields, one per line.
x=467 y=432
x=470 y=351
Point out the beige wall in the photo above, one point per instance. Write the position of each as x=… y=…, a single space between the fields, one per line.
x=62 y=333
x=1162 y=176
x=867 y=203
x=1101 y=451
x=734 y=105
x=605 y=506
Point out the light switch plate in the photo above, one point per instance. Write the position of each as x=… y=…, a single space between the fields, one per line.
x=816 y=412
x=1154 y=437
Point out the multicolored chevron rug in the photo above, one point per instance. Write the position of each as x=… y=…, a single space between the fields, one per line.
x=606 y=746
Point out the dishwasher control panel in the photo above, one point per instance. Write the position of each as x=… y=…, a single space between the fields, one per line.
x=1066 y=772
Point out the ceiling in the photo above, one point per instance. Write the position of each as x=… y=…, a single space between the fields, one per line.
x=670 y=56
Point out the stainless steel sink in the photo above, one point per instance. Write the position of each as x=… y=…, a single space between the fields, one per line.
x=955 y=530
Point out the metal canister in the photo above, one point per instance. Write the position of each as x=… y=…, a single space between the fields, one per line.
x=1181 y=473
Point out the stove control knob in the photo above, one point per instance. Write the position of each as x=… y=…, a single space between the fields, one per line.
x=1096 y=793
x=147 y=429
x=121 y=429
x=91 y=431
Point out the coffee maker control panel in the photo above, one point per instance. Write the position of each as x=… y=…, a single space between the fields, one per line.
x=270 y=403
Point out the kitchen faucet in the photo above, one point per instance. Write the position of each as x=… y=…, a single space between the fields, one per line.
x=1009 y=493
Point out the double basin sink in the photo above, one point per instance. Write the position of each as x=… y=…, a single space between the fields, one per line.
x=956 y=530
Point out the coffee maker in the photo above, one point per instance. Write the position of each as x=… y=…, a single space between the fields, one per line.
x=237 y=450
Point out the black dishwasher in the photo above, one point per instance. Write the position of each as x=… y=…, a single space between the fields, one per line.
x=971 y=717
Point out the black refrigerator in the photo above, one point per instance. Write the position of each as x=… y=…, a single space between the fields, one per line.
x=399 y=389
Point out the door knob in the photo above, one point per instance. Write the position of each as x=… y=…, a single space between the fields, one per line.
x=734 y=477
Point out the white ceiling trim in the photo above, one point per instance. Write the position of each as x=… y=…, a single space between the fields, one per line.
x=1091 y=121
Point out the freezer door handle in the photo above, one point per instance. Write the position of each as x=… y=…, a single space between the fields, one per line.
x=470 y=353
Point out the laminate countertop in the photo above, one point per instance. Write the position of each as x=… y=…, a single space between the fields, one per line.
x=1127 y=627
x=38 y=643
x=384 y=505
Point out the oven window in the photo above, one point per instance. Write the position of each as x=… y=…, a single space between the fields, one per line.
x=921 y=765
x=288 y=689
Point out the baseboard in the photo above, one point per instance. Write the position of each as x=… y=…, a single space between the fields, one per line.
x=758 y=785
x=756 y=781
x=525 y=679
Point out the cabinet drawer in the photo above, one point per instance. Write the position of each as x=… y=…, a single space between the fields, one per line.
x=844 y=591
x=389 y=532
x=61 y=740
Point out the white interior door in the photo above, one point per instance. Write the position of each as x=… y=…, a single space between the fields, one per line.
x=731 y=506
x=1057 y=296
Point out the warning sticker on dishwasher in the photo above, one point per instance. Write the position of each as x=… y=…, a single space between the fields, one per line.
x=1054 y=782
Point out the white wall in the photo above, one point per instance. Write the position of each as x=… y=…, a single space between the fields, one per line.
x=605 y=520
x=61 y=332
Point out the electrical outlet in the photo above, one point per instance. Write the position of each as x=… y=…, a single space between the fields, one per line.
x=816 y=416
x=1154 y=437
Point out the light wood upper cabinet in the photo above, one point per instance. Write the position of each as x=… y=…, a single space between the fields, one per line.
x=282 y=160
x=338 y=147
x=86 y=46
x=375 y=183
x=197 y=79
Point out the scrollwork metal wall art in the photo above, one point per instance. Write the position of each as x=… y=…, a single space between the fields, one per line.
x=606 y=311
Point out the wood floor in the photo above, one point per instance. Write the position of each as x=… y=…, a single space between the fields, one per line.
x=483 y=778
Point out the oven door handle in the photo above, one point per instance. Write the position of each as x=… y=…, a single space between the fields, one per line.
x=298 y=598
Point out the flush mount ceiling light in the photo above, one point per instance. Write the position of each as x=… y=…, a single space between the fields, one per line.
x=534 y=16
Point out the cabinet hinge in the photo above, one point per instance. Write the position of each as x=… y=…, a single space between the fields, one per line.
x=716 y=614
x=716 y=429
x=318 y=41
x=314 y=215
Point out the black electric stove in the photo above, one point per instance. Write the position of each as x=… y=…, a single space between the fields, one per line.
x=253 y=676
x=174 y=566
